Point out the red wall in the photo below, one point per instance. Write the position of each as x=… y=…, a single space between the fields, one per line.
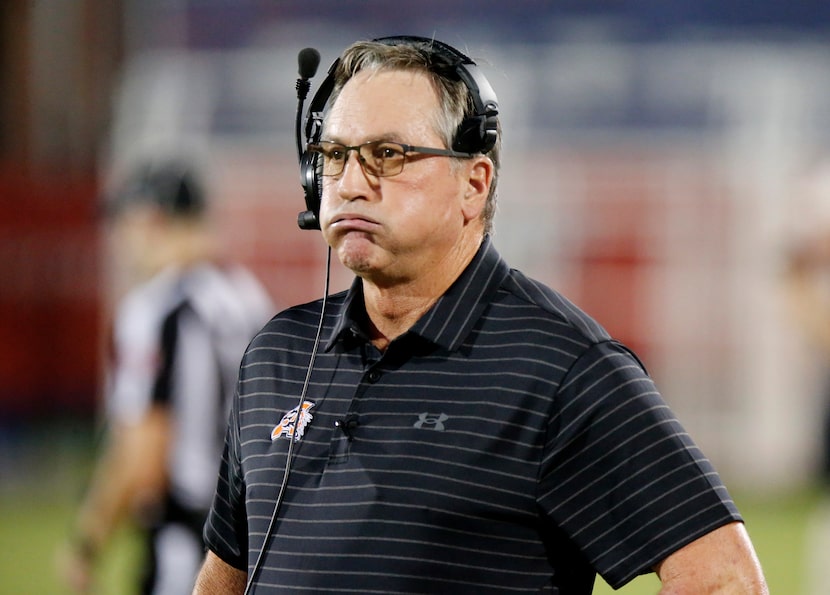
x=49 y=293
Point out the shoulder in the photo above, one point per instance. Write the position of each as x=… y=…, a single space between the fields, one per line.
x=144 y=308
x=538 y=303
x=227 y=296
x=299 y=323
x=154 y=294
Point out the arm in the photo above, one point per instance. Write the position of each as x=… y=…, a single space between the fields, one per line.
x=217 y=576
x=721 y=562
x=130 y=476
x=807 y=299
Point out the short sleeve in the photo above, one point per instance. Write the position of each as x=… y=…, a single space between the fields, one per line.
x=620 y=476
x=225 y=531
x=136 y=359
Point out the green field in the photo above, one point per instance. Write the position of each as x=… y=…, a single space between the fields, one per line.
x=35 y=513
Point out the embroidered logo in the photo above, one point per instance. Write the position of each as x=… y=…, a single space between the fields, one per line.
x=436 y=422
x=290 y=425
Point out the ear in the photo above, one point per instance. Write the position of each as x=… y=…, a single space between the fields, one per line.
x=478 y=186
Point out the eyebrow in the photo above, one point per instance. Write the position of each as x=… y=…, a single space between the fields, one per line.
x=392 y=137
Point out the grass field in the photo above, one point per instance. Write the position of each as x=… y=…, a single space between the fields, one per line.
x=35 y=514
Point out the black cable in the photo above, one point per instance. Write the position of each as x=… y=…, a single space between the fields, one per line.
x=292 y=434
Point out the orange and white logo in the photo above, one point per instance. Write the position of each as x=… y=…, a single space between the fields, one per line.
x=291 y=426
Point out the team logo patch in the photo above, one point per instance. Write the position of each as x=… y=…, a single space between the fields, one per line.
x=290 y=425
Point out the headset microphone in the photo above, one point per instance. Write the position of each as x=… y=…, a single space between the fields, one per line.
x=308 y=61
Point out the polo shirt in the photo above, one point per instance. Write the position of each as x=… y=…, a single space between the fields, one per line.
x=504 y=444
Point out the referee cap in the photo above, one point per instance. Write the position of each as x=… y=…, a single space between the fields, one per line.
x=173 y=186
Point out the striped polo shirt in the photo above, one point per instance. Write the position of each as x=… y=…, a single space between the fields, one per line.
x=505 y=444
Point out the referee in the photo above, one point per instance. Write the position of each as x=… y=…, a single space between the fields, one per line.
x=177 y=341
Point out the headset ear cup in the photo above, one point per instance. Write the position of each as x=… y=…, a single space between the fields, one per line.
x=489 y=133
x=310 y=172
x=476 y=134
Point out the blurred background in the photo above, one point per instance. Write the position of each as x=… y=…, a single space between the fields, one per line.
x=660 y=161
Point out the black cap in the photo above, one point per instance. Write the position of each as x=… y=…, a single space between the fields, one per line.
x=171 y=186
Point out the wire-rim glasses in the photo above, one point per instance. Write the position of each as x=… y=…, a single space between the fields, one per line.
x=378 y=158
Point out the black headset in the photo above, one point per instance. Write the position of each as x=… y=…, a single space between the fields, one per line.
x=477 y=133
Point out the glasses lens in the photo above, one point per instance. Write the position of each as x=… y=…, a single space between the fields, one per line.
x=333 y=157
x=382 y=158
x=378 y=158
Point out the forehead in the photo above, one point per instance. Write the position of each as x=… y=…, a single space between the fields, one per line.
x=384 y=104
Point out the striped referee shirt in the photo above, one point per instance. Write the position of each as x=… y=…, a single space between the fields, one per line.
x=505 y=444
x=178 y=339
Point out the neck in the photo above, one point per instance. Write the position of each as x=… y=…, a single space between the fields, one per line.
x=392 y=314
x=181 y=248
x=394 y=308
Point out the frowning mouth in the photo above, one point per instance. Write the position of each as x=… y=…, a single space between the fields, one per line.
x=353 y=222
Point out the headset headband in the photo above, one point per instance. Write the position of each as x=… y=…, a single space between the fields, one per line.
x=484 y=99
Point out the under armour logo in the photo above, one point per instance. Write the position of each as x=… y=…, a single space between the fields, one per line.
x=434 y=421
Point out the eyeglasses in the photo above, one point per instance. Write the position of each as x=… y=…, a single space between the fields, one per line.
x=379 y=158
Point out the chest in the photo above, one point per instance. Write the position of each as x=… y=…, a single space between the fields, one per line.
x=436 y=426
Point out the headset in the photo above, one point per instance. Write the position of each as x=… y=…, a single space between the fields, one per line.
x=477 y=133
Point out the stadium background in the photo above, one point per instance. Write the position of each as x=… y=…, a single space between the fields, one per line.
x=659 y=159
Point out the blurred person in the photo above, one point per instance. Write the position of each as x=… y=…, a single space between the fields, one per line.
x=807 y=281
x=462 y=428
x=178 y=338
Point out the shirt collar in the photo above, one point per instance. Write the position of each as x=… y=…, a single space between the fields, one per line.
x=451 y=318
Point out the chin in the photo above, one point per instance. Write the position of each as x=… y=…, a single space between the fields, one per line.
x=359 y=266
x=356 y=258
x=356 y=252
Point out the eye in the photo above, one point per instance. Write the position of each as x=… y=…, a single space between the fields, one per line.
x=334 y=153
x=385 y=151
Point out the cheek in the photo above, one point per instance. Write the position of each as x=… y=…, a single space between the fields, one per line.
x=327 y=199
x=431 y=199
x=327 y=189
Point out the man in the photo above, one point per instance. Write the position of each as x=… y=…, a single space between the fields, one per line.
x=807 y=263
x=178 y=338
x=464 y=428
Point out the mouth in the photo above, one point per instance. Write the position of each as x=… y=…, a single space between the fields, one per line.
x=352 y=222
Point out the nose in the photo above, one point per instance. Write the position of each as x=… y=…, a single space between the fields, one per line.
x=353 y=181
x=352 y=152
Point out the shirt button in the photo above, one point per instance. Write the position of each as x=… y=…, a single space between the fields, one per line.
x=374 y=376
